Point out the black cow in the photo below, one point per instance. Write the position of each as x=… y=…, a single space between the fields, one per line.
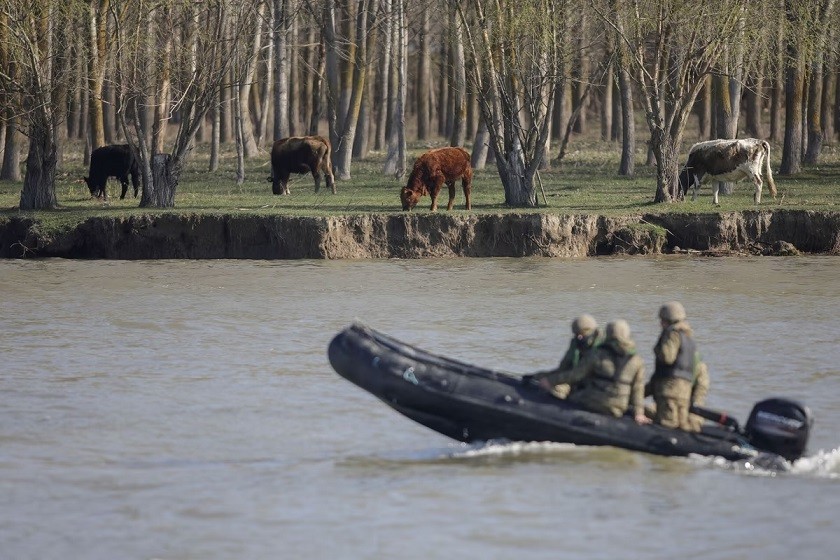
x=117 y=160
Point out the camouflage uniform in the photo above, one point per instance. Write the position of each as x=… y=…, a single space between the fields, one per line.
x=611 y=378
x=675 y=376
x=699 y=390
x=587 y=337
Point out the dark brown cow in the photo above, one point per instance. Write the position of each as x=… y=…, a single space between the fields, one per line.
x=300 y=154
x=727 y=160
x=432 y=170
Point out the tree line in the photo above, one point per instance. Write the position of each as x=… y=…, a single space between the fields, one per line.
x=517 y=79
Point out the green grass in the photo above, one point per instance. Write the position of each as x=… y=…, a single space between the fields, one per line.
x=586 y=183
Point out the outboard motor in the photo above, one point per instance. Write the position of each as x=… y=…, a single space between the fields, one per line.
x=780 y=426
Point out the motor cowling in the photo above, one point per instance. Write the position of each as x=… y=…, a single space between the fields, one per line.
x=780 y=426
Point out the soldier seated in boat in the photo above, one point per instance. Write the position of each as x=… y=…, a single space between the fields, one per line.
x=587 y=336
x=680 y=379
x=611 y=378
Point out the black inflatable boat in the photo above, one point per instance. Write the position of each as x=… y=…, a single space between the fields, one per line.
x=471 y=404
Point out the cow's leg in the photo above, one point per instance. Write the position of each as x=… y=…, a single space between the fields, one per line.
x=466 y=183
x=316 y=175
x=280 y=183
x=758 y=185
x=329 y=175
x=124 y=183
x=696 y=187
x=437 y=184
x=135 y=181
x=451 y=185
x=715 y=190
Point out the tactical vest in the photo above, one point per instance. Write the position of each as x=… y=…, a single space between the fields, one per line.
x=683 y=366
x=608 y=392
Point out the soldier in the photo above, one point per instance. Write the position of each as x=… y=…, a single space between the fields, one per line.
x=586 y=337
x=611 y=378
x=680 y=378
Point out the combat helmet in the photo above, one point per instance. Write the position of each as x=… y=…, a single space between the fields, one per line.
x=584 y=325
x=673 y=311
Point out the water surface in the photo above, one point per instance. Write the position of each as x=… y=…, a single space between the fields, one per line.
x=186 y=409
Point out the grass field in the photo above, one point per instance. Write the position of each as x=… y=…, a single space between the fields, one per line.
x=586 y=183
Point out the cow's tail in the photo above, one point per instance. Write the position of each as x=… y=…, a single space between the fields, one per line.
x=328 y=167
x=768 y=175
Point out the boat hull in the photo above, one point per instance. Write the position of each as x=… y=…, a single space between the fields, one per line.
x=470 y=404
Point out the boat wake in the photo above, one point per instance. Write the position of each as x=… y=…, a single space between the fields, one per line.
x=822 y=464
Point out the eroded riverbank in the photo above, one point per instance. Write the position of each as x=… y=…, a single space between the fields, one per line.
x=416 y=235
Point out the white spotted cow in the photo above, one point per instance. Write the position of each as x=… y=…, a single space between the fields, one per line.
x=727 y=161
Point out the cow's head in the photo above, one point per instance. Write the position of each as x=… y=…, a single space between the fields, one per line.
x=409 y=198
x=686 y=181
x=95 y=190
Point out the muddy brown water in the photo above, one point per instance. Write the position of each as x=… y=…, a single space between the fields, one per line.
x=186 y=409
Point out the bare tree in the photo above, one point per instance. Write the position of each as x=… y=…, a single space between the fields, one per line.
x=674 y=45
x=513 y=52
x=281 y=68
x=98 y=47
x=193 y=89
x=624 y=66
x=349 y=120
x=815 y=93
x=396 y=160
x=35 y=80
x=459 y=80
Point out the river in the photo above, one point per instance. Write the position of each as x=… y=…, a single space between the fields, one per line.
x=187 y=410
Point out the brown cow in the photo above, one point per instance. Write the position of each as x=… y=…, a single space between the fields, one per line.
x=432 y=170
x=300 y=154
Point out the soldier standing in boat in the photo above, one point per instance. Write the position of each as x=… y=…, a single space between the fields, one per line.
x=680 y=378
x=587 y=336
x=611 y=378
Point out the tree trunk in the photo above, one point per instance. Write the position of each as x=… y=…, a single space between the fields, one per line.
x=281 y=68
x=627 y=167
x=778 y=81
x=161 y=110
x=38 y=191
x=794 y=90
x=752 y=97
x=606 y=99
x=815 y=94
x=480 y=146
x=215 y=131
x=459 y=83
x=344 y=150
x=519 y=187
x=249 y=141
x=11 y=149
x=383 y=84
x=395 y=162
x=160 y=192
x=666 y=152
x=332 y=72
x=317 y=82
x=424 y=78
x=97 y=37
x=294 y=75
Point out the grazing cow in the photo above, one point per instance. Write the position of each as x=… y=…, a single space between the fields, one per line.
x=300 y=154
x=727 y=160
x=117 y=160
x=432 y=170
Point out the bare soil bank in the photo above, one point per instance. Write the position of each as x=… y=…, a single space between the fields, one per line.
x=416 y=235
